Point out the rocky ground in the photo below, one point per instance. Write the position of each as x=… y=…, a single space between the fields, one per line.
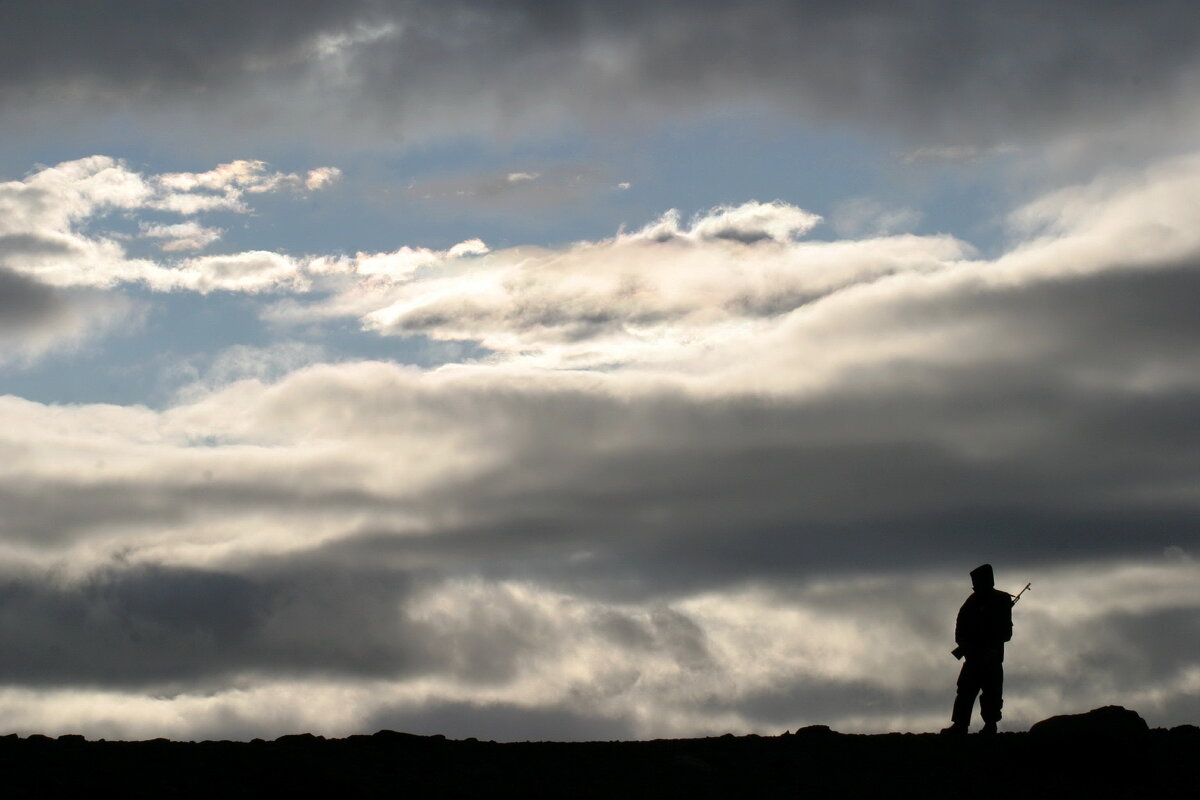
x=1105 y=753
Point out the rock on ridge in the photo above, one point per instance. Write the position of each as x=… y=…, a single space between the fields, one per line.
x=1108 y=721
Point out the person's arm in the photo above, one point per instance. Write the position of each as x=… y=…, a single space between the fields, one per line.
x=962 y=624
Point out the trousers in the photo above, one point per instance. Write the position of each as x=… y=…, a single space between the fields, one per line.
x=983 y=676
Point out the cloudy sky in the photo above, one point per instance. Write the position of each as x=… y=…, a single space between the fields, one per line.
x=593 y=369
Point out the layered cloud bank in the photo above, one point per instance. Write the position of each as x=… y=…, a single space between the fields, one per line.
x=959 y=77
x=708 y=475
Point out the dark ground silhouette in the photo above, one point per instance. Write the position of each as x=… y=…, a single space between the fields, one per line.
x=1102 y=754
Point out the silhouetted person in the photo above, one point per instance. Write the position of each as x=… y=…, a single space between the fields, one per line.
x=984 y=624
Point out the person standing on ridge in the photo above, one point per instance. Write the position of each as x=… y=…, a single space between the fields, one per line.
x=984 y=624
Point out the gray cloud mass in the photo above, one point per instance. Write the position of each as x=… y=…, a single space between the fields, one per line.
x=943 y=72
x=36 y=318
x=24 y=302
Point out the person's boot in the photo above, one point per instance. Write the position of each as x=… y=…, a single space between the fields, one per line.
x=988 y=729
x=955 y=729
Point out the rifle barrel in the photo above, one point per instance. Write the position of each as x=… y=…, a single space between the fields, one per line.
x=1017 y=596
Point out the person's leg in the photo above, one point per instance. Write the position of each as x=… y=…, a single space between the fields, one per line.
x=968 y=687
x=991 y=682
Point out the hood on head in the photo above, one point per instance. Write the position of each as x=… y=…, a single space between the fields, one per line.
x=982 y=577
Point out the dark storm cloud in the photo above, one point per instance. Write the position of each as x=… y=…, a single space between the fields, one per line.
x=180 y=629
x=662 y=532
x=1057 y=455
x=1157 y=645
x=946 y=71
x=140 y=48
x=176 y=629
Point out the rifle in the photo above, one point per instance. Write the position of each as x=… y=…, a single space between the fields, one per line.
x=1017 y=596
x=957 y=652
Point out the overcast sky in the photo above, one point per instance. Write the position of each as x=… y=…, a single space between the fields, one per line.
x=587 y=370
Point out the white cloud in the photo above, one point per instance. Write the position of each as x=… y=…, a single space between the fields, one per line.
x=397 y=264
x=243 y=175
x=189 y=204
x=182 y=235
x=747 y=223
x=695 y=298
x=383 y=270
x=1144 y=217
x=321 y=177
x=252 y=271
x=223 y=187
x=470 y=247
x=53 y=198
x=50 y=225
x=667 y=294
x=753 y=222
x=664 y=293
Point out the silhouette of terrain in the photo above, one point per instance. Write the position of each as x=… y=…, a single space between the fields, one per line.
x=1105 y=753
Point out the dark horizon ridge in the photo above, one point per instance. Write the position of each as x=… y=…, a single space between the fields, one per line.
x=1107 y=752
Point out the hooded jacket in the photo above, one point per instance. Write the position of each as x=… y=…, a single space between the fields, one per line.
x=984 y=622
